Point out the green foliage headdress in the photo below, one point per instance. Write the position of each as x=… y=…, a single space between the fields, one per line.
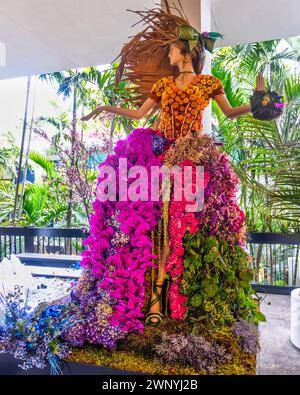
x=193 y=37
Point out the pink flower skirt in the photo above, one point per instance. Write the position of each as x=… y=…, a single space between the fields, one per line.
x=127 y=233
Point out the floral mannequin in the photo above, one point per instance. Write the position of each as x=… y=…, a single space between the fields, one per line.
x=181 y=58
x=134 y=245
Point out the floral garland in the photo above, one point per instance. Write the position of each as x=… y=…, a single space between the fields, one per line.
x=179 y=222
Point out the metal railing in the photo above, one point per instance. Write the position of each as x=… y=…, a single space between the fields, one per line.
x=276 y=261
x=17 y=240
x=276 y=257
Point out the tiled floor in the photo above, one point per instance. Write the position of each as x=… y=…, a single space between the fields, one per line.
x=278 y=355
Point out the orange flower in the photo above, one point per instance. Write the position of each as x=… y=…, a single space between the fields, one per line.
x=181 y=108
x=193 y=104
x=186 y=100
x=214 y=86
x=203 y=81
x=209 y=90
x=193 y=97
x=209 y=82
x=175 y=105
x=194 y=111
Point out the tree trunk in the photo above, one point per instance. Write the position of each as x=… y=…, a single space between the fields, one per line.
x=74 y=122
x=21 y=151
x=27 y=154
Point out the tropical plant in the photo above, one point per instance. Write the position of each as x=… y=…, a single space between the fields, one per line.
x=265 y=155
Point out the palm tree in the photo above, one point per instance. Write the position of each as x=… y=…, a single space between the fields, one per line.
x=89 y=87
x=69 y=84
x=263 y=153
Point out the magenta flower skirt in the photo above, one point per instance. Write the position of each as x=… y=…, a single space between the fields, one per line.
x=127 y=233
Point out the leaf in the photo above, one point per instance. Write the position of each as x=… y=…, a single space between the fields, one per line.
x=211 y=290
x=246 y=275
x=261 y=317
x=191 y=251
x=196 y=300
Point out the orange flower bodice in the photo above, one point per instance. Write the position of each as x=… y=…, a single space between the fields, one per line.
x=182 y=109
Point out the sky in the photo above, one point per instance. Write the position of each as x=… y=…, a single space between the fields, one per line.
x=12 y=104
x=12 y=107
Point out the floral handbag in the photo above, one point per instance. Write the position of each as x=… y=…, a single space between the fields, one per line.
x=266 y=105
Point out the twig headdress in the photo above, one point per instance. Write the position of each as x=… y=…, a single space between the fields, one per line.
x=144 y=59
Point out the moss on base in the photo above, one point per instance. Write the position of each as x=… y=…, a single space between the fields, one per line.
x=136 y=352
x=126 y=360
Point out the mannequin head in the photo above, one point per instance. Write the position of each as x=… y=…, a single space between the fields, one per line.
x=181 y=57
x=177 y=56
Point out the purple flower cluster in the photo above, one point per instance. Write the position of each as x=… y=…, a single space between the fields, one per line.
x=110 y=294
x=192 y=350
x=221 y=215
x=92 y=308
x=248 y=335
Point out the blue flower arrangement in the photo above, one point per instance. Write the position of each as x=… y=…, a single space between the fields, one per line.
x=35 y=337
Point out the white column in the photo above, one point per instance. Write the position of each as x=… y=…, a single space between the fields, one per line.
x=205 y=25
x=198 y=13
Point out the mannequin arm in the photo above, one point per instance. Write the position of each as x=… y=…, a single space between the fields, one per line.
x=125 y=112
x=133 y=114
x=228 y=110
x=233 y=112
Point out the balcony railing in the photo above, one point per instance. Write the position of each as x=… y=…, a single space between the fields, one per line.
x=276 y=260
x=16 y=240
x=276 y=257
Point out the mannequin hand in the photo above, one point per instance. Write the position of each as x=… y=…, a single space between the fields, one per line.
x=260 y=83
x=94 y=114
